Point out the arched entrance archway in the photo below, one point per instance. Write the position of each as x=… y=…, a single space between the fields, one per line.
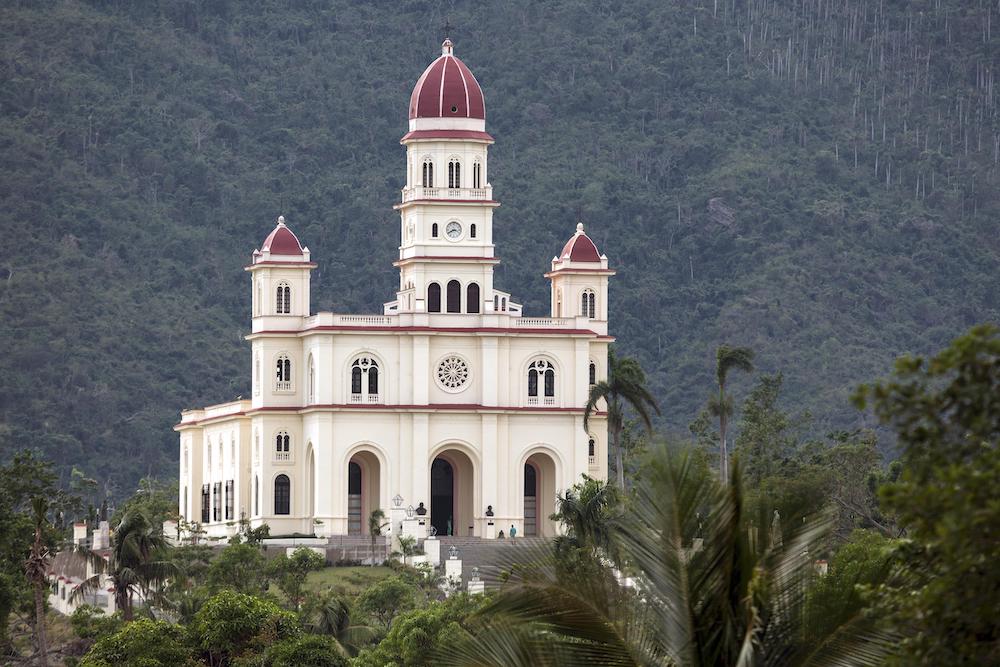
x=363 y=486
x=453 y=493
x=539 y=479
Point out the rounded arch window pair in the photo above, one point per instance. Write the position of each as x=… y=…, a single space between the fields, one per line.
x=283 y=298
x=364 y=378
x=541 y=371
x=454 y=173
x=284 y=371
x=588 y=304
x=427 y=173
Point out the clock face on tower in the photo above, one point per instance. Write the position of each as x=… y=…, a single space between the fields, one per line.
x=453 y=230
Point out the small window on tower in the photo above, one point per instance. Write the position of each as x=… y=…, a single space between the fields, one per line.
x=434 y=230
x=472 y=231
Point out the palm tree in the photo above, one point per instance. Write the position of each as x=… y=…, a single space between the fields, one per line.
x=135 y=564
x=727 y=359
x=36 y=569
x=332 y=617
x=375 y=525
x=701 y=591
x=589 y=512
x=625 y=387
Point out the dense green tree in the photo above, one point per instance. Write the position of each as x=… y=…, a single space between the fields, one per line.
x=303 y=651
x=289 y=573
x=384 y=600
x=703 y=591
x=625 y=388
x=588 y=512
x=765 y=439
x=143 y=642
x=244 y=569
x=427 y=636
x=946 y=414
x=230 y=624
x=138 y=564
x=727 y=359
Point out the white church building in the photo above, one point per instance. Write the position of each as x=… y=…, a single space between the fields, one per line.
x=450 y=399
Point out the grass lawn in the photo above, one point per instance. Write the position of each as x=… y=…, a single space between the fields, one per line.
x=350 y=580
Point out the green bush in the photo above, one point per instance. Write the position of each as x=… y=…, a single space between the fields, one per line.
x=142 y=643
x=231 y=623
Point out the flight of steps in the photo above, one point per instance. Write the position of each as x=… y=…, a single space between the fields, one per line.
x=492 y=557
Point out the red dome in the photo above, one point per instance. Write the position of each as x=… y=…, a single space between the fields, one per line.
x=282 y=241
x=447 y=89
x=580 y=248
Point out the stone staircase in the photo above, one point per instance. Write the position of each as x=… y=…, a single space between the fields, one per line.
x=492 y=557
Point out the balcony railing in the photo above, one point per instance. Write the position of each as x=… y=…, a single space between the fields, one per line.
x=537 y=400
x=281 y=385
x=542 y=322
x=282 y=456
x=420 y=192
x=592 y=461
x=366 y=398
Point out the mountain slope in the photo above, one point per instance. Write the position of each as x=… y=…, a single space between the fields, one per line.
x=816 y=179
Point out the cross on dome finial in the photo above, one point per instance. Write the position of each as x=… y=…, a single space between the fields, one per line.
x=281 y=221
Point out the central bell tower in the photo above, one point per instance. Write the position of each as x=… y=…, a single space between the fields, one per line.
x=446 y=251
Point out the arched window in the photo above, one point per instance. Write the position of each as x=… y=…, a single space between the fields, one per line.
x=591 y=447
x=433 y=298
x=434 y=230
x=428 y=173
x=364 y=380
x=312 y=379
x=541 y=372
x=454 y=174
x=472 y=298
x=592 y=375
x=256 y=376
x=454 y=296
x=284 y=373
x=588 y=303
x=503 y=304
x=256 y=495
x=283 y=298
x=257 y=302
x=282 y=495
x=472 y=231
x=282 y=447
x=477 y=174
x=496 y=303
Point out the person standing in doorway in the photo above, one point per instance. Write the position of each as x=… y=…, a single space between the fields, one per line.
x=513 y=532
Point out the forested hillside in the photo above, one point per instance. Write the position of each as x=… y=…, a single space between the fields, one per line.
x=817 y=179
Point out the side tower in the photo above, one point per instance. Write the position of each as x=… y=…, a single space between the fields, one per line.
x=579 y=277
x=279 y=275
x=446 y=253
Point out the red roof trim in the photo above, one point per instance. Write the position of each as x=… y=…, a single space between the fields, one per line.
x=473 y=135
x=606 y=272
x=199 y=422
x=389 y=330
x=427 y=406
x=296 y=265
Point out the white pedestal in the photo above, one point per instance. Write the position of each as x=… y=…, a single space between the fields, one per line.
x=491 y=531
x=422 y=523
x=453 y=570
x=410 y=528
x=477 y=587
x=432 y=548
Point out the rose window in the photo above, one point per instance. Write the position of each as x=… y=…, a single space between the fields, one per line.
x=453 y=373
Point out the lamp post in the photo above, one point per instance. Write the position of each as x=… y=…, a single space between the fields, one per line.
x=409 y=511
x=397 y=500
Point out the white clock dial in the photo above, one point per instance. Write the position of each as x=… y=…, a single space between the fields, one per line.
x=453 y=230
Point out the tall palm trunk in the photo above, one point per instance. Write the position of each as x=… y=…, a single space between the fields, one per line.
x=619 y=458
x=723 y=425
x=40 y=639
x=123 y=600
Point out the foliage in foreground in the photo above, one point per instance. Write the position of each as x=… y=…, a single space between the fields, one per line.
x=946 y=412
x=737 y=596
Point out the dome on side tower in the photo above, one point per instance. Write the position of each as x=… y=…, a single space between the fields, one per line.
x=281 y=245
x=447 y=89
